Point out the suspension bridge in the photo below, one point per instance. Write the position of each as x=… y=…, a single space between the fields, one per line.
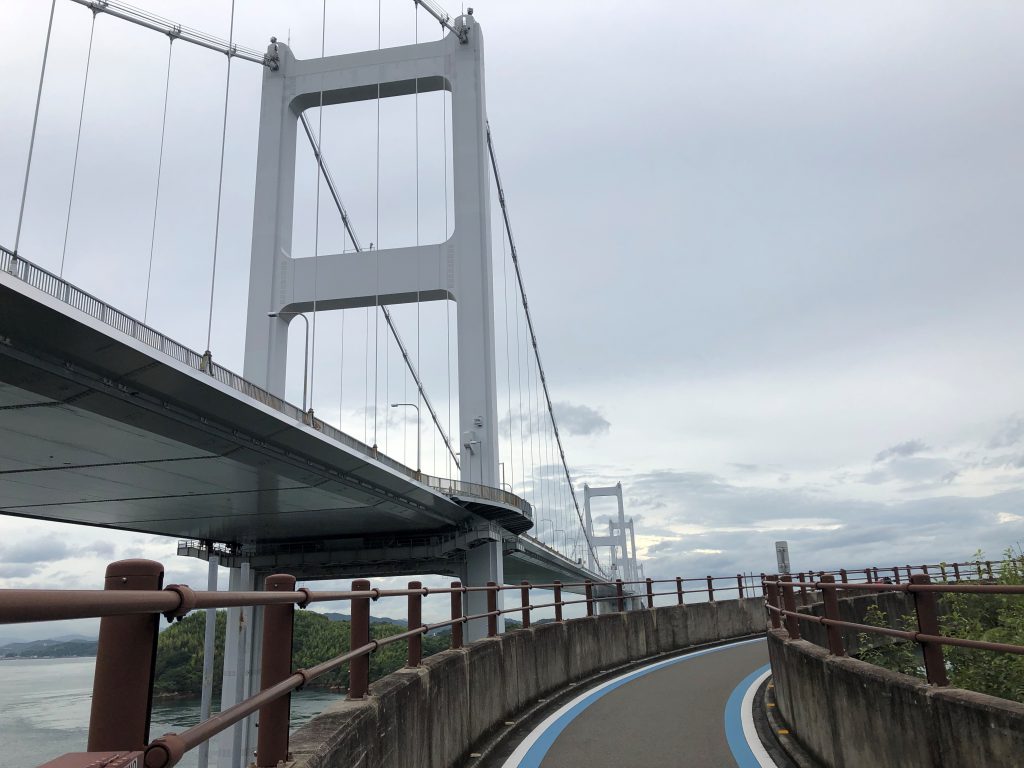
x=124 y=406
x=109 y=421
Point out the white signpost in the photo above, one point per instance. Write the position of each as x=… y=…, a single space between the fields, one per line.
x=782 y=556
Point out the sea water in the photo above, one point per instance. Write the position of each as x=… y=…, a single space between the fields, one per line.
x=44 y=710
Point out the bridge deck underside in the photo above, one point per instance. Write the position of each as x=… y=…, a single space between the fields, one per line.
x=96 y=428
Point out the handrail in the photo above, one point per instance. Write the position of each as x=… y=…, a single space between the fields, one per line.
x=127 y=597
x=781 y=606
x=58 y=288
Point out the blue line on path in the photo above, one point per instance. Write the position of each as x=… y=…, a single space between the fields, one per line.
x=741 y=752
x=540 y=748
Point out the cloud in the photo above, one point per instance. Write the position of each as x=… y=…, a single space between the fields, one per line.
x=907 y=448
x=581 y=419
x=34 y=551
x=1011 y=433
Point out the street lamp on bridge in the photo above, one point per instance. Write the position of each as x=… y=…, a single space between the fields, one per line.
x=413 y=405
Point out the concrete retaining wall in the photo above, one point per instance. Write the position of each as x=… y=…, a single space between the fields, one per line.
x=848 y=714
x=431 y=716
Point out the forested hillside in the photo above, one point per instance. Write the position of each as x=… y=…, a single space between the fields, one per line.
x=179 y=662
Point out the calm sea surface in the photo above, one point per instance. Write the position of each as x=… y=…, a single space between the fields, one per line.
x=44 y=710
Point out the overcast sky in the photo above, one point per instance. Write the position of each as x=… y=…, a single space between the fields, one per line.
x=773 y=249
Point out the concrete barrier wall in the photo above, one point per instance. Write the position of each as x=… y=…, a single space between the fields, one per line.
x=848 y=713
x=431 y=716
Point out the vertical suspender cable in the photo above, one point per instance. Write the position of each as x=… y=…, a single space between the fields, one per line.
x=35 y=123
x=447 y=302
x=376 y=300
x=533 y=336
x=419 y=268
x=78 y=143
x=220 y=178
x=508 y=363
x=159 y=172
x=316 y=226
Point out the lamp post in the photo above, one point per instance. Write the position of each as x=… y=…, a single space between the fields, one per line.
x=414 y=405
x=305 y=361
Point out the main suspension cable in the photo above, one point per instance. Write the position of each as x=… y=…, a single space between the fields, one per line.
x=78 y=144
x=220 y=181
x=316 y=226
x=533 y=335
x=159 y=172
x=388 y=318
x=35 y=123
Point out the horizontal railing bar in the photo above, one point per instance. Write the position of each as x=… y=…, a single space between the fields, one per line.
x=991 y=589
x=919 y=637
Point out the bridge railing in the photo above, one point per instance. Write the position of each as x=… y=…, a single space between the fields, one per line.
x=781 y=603
x=134 y=599
x=60 y=289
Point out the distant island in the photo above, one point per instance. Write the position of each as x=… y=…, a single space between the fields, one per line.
x=54 y=648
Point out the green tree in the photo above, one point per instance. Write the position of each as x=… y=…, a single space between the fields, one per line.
x=971 y=616
x=316 y=639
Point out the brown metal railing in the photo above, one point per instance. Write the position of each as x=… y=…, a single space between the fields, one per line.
x=780 y=593
x=134 y=599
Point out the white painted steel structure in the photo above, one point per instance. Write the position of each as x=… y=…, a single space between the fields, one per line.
x=459 y=269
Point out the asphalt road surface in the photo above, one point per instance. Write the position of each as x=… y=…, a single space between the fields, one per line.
x=671 y=717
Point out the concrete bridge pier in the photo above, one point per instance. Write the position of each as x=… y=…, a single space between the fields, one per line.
x=240 y=677
x=484 y=563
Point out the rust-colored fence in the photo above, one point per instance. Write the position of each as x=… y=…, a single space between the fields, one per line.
x=781 y=599
x=134 y=599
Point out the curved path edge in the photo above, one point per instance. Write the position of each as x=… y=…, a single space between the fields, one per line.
x=740 y=731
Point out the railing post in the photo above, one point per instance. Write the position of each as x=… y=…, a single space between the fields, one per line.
x=773 y=601
x=275 y=666
x=977 y=567
x=831 y=600
x=492 y=606
x=764 y=591
x=896 y=574
x=924 y=570
x=739 y=584
x=558 y=601
x=876 y=575
x=679 y=589
x=789 y=603
x=588 y=588
x=650 y=593
x=956 y=572
x=909 y=573
x=843 y=576
x=928 y=624
x=456 y=614
x=122 y=688
x=525 y=592
x=618 y=591
x=711 y=590
x=945 y=578
x=988 y=565
x=359 y=634
x=415 y=620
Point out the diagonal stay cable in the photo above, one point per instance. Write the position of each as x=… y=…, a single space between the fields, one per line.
x=347 y=222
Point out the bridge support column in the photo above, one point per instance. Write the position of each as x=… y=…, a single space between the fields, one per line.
x=237 y=668
x=208 y=656
x=483 y=563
